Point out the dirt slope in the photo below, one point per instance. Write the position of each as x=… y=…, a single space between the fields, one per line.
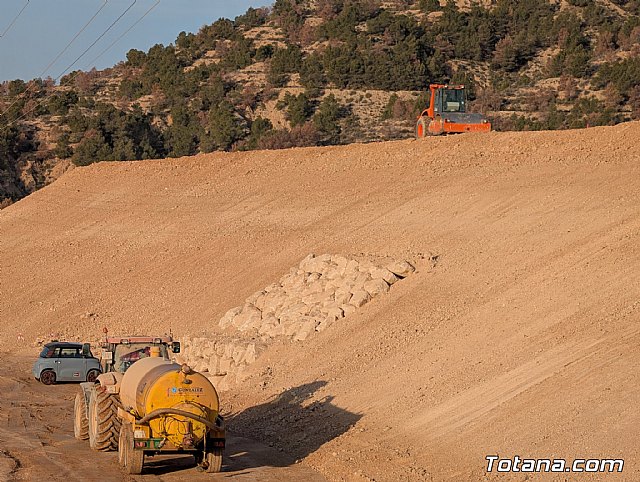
x=521 y=338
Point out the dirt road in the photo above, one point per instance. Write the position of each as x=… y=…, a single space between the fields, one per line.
x=37 y=443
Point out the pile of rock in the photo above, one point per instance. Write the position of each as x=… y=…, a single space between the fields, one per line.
x=319 y=292
x=223 y=358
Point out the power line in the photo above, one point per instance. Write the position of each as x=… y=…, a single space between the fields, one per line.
x=74 y=38
x=14 y=20
x=92 y=63
x=97 y=40
x=23 y=94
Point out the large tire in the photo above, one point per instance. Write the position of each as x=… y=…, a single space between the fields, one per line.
x=104 y=424
x=421 y=128
x=213 y=460
x=80 y=420
x=435 y=127
x=48 y=377
x=122 y=446
x=131 y=459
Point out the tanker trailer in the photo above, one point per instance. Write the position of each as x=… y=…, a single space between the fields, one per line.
x=168 y=408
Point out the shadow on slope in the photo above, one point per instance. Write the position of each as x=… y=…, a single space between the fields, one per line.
x=294 y=422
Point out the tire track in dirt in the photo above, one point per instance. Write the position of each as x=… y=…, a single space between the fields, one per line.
x=462 y=410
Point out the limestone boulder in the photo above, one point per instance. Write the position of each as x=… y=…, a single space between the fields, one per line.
x=316 y=264
x=402 y=269
x=351 y=269
x=340 y=263
x=362 y=278
x=312 y=288
x=296 y=310
x=213 y=364
x=250 y=354
x=342 y=296
x=348 y=308
x=376 y=286
x=228 y=350
x=238 y=354
x=332 y=272
x=254 y=297
x=268 y=323
x=275 y=331
x=274 y=301
x=359 y=298
x=260 y=301
x=229 y=316
x=385 y=274
x=303 y=264
x=317 y=299
x=226 y=366
x=365 y=266
x=219 y=347
x=334 y=310
x=291 y=326
x=250 y=317
x=326 y=323
x=272 y=287
x=304 y=330
x=292 y=282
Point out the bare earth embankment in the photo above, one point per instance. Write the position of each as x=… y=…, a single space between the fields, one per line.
x=518 y=334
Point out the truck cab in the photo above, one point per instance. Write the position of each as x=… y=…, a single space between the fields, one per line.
x=119 y=353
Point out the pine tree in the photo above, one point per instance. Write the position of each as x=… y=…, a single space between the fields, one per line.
x=326 y=119
x=223 y=128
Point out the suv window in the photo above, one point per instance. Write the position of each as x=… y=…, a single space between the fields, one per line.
x=47 y=352
x=68 y=353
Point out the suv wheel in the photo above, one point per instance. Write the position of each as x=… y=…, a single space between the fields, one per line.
x=48 y=377
x=92 y=375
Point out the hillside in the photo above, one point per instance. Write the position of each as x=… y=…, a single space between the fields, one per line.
x=516 y=335
x=306 y=73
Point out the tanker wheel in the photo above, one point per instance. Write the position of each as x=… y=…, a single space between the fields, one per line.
x=131 y=459
x=421 y=128
x=80 y=420
x=104 y=424
x=213 y=461
x=122 y=444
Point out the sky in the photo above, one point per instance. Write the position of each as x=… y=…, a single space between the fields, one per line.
x=45 y=27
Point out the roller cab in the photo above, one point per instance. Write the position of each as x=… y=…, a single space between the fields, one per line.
x=447 y=113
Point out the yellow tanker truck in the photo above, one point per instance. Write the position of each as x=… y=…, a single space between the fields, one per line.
x=155 y=407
